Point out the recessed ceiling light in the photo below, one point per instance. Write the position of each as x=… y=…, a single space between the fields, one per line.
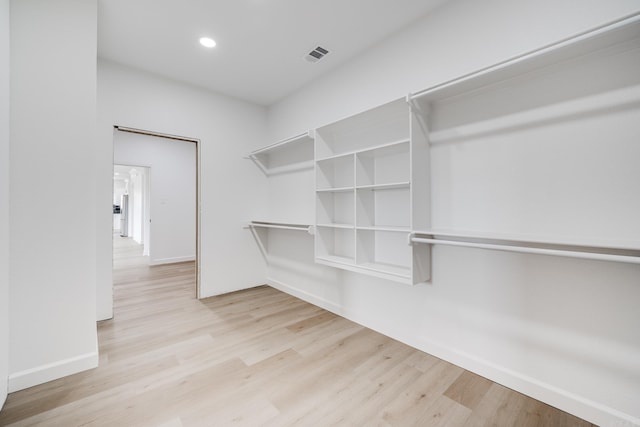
x=207 y=42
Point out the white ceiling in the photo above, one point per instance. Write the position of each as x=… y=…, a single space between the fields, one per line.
x=261 y=43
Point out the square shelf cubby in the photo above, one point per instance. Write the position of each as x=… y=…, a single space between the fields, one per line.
x=383 y=166
x=335 y=208
x=334 y=173
x=384 y=207
x=336 y=245
x=384 y=251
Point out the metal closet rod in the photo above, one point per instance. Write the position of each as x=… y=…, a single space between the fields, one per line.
x=282 y=226
x=527 y=249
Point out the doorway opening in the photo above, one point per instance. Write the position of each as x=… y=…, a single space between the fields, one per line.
x=131 y=214
x=156 y=200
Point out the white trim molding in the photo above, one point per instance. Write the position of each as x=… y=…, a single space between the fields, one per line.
x=174 y=260
x=52 y=371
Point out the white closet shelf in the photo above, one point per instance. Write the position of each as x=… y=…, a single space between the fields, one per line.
x=387 y=186
x=334 y=259
x=282 y=225
x=365 y=150
x=572 y=47
x=389 y=145
x=626 y=252
x=385 y=271
x=334 y=190
x=336 y=156
x=307 y=136
x=387 y=228
x=332 y=225
x=394 y=270
x=261 y=157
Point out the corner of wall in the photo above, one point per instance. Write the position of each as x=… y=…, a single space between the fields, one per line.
x=4 y=197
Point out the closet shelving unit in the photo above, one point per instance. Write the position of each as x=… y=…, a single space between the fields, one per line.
x=373 y=184
x=584 y=77
x=365 y=184
x=288 y=155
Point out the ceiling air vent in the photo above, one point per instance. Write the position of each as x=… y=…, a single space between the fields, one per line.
x=316 y=54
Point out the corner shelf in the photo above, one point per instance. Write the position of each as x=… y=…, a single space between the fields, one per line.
x=288 y=155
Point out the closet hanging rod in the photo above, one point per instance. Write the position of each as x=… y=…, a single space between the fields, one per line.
x=529 y=250
x=540 y=56
x=282 y=226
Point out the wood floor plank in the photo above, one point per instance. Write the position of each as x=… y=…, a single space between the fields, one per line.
x=444 y=412
x=421 y=394
x=256 y=357
x=468 y=390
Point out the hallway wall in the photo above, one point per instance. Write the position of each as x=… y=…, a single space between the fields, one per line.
x=232 y=190
x=4 y=197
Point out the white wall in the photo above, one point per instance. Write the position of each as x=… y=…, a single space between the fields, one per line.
x=173 y=193
x=137 y=215
x=563 y=331
x=460 y=37
x=4 y=198
x=52 y=275
x=232 y=190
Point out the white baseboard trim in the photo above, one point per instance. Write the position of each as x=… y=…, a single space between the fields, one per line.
x=172 y=260
x=3 y=392
x=579 y=406
x=305 y=296
x=572 y=403
x=52 y=371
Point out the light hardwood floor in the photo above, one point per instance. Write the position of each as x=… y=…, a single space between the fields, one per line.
x=257 y=358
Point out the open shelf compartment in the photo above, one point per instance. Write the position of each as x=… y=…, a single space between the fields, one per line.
x=385 y=165
x=384 y=251
x=381 y=125
x=337 y=172
x=336 y=245
x=335 y=208
x=387 y=207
